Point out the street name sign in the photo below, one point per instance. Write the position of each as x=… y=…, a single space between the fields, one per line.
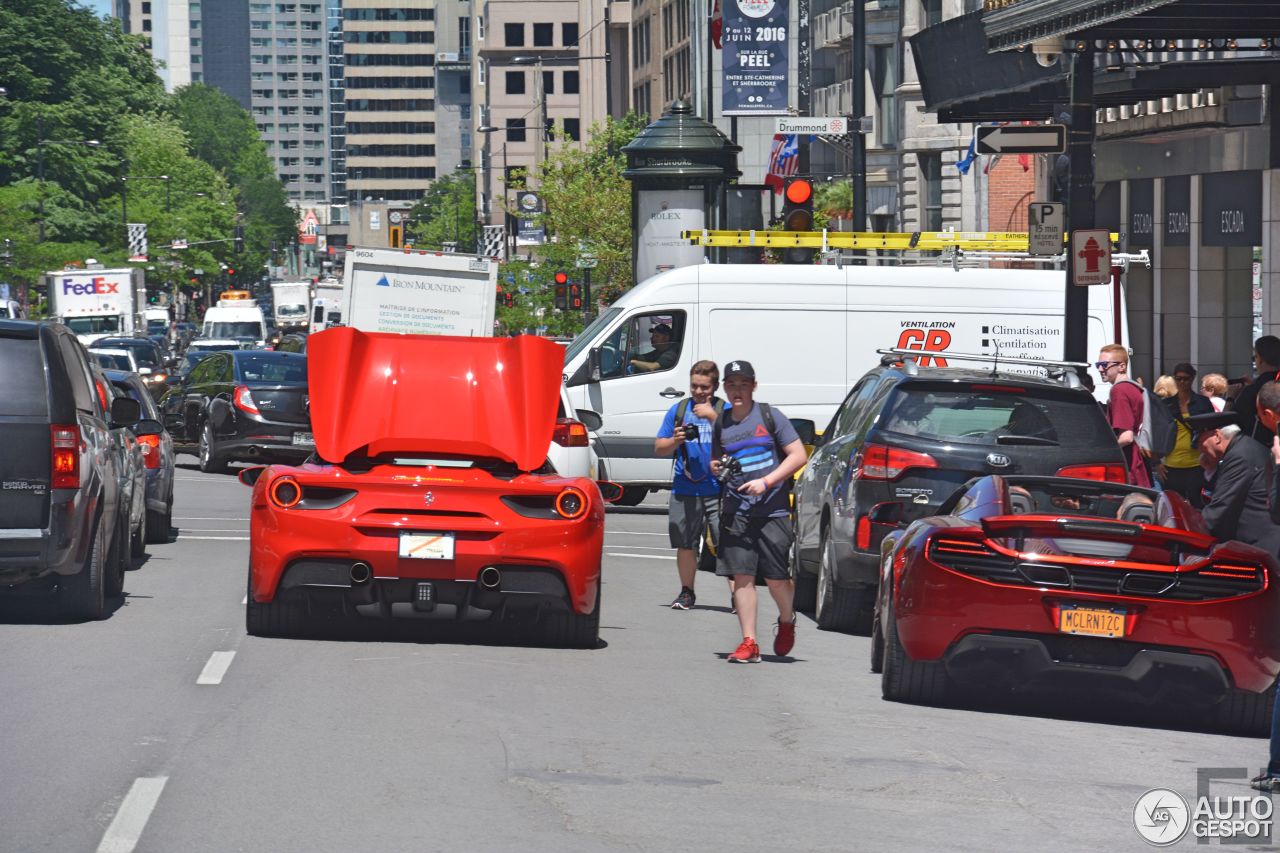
x=1022 y=139
x=1091 y=256
x=818 y=125
x=1045 y=223
x=587 y=262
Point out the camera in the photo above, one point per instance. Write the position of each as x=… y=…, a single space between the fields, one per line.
x=729 y=467
x=690 y=432
x=1047 y=51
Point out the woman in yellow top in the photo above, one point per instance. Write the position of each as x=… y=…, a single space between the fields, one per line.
x=1181 y=471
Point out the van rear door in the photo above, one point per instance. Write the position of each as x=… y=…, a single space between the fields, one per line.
x=24 y=430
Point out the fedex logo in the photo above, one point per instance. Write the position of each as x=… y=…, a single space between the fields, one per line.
x=95 y=285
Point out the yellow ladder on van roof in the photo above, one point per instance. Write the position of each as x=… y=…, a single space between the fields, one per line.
x=894 y=241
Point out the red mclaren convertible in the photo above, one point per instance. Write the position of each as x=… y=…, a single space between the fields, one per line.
x=429 y=495
x=1097 y=589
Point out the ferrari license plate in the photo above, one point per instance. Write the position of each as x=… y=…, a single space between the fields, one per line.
x=304 y=438
x=1091 y=621
x=426 y=546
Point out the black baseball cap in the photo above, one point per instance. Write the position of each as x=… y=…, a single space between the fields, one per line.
x=739 y=368
x=1211 y=421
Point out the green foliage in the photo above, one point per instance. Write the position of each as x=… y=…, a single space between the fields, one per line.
x=532 y=285
x=447 y=214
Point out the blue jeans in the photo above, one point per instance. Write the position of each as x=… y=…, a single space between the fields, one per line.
x=1273 y=766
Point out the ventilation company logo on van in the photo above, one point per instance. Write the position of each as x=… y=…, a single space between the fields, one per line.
x=926 y=340
x=95 y=285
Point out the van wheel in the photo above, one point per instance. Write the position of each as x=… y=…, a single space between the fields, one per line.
x=632 y=496
x=210 y=461
x=836 y=608
x=81 y=596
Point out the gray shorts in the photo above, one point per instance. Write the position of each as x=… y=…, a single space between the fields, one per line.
x=689 y=517
x=755 y=546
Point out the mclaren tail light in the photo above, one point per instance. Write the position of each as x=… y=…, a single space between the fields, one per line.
x=1111 y=472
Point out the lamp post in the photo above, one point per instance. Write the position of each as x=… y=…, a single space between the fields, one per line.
x=488 y=168
x=41 y=142
x=124 y=197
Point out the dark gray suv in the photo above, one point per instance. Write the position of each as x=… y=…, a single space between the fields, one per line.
x=60 y=505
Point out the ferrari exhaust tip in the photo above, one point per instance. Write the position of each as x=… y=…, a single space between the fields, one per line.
x=360 y=572
x=490 y=577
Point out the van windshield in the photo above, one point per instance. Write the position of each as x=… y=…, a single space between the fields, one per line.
x=587 y=335
x=247 y=329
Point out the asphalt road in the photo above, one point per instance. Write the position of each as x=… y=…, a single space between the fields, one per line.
x=111 y=742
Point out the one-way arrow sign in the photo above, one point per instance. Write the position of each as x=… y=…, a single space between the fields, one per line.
x=1023 y=139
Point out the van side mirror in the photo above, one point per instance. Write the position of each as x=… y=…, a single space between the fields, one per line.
x=589 y=419
x=609 y=491
x=125 y=411
x=805 y=429
x=249 y=476
x=888 y=513
x=593 y=364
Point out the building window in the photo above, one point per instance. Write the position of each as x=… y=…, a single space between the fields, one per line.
x=515 y=130
x=482 y=69
x=573 y=129
x=464 y=36
x=640 y=43
x=569 y=34
x=513 y=34
x=570 y=82
x=479 y=27
x=931 y=191
x=932 y=12
x=543 y=35
x=464 y=84
x=548 y=82
x=885 y=74
x=515 y=82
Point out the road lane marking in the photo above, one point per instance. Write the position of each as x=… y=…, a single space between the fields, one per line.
x=641 y=548
x=245 y=600
x=213 y=518
x=632 y=533
x=231 y=482
x=216 y=538
x=639 y=556
x=227 y=530
x=216 y=668
x=127 y=826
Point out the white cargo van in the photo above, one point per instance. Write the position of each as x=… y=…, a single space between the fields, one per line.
x=236 y=318
x=810 y=333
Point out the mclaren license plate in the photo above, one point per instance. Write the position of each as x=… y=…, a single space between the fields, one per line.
x=305 y=438
x=426 y=546
x=1091 y=621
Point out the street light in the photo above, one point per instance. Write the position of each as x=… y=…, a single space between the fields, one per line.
x=488 y=186
x=40 y=164
x=124 y=196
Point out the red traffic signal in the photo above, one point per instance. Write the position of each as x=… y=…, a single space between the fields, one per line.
x=797 y=215
x=509 y=300
x=799 y=191
x=562 y=278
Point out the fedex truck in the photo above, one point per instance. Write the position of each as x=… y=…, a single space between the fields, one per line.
x=98 y=303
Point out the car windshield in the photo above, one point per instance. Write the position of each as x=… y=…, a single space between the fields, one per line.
x=113 y=361
x=157 y=327
x=588 y=334
x=995 y=415
x=144 y=352
x=93 y=325
x=272 y=369
x=245 y=329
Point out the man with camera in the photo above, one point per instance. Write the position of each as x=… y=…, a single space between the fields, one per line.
x=694 y=509
x=761 y=451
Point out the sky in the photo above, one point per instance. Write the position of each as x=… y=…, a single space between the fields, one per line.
x=102 y=7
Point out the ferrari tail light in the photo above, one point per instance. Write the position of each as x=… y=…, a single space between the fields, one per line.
x=1106 y=471
x=285 y=492
x=571 y=503
x=570 y=433
x=150 y=450
x=64 y=445
x=244 y=400
x=889 y=463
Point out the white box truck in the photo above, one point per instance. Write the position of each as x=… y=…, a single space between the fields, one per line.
x=328 y=305
x=420 y=293
x=97 y=303
x=810 y=333
x=291 y=305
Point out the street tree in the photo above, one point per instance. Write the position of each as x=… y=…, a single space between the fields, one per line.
x=446 y=214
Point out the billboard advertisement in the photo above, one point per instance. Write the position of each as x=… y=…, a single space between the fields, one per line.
x=756 y=54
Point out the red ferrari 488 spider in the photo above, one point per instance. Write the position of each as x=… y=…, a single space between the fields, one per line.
x=430 y=494
x=1097 y=589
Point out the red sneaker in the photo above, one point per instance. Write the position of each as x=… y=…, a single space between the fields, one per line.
x=748 y=652
x=784 y=637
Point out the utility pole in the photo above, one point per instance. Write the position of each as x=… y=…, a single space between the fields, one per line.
x=1080 y=212
x=859 y=149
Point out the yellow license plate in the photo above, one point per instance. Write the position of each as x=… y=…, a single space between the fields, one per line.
x=1091 y=622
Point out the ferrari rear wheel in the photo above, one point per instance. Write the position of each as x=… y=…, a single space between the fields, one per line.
x=278 y=618
x=1245 y=712
x=907 y=680
x=575 y=630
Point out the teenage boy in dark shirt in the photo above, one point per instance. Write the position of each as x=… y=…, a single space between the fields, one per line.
x=755 y=518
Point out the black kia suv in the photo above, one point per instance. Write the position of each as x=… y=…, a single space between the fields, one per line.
x=903 y=440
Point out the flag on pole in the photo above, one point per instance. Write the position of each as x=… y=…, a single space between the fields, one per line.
x=784 y=160
x=137 y=241
x=965 y=163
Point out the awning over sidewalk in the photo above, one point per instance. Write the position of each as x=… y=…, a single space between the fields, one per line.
x=1014 y=23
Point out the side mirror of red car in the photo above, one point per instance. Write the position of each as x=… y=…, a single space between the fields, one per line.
x=249 y=476
x=609 y=491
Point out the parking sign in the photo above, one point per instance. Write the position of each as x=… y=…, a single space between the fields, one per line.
x=1045 y=222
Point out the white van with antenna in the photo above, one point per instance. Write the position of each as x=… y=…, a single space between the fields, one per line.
x=809 y=331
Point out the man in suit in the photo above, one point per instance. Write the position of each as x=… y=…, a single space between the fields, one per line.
x=1236 y=492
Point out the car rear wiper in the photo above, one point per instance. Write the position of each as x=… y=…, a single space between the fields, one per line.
x=1025 y=439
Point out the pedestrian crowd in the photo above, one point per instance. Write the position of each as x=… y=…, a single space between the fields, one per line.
x=1221 y=458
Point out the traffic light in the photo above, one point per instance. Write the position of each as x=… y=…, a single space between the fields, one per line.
x=797 y=215
x=562 y=291
x=394 y=234
x=239 y=239
x=510 y=300
x=575 y=297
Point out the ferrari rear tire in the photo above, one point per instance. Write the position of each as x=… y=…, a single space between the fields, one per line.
x=907 y=680
x=575 y=630
x=81 y=596
x=838 y=608
x=278 y=618
x=1244 y=712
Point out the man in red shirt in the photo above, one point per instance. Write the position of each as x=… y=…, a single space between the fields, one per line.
x=1124 y=411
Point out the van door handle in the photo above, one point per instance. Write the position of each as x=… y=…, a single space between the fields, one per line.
x=671 y=392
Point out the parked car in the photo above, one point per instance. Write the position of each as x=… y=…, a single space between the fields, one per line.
x=158 y=457
x=115 y=359
x=446 y=515
x=133 y=476
x=61 y=517
x=1029 y=584
x=150 y=361
x=247 y=405
x=911 y=436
